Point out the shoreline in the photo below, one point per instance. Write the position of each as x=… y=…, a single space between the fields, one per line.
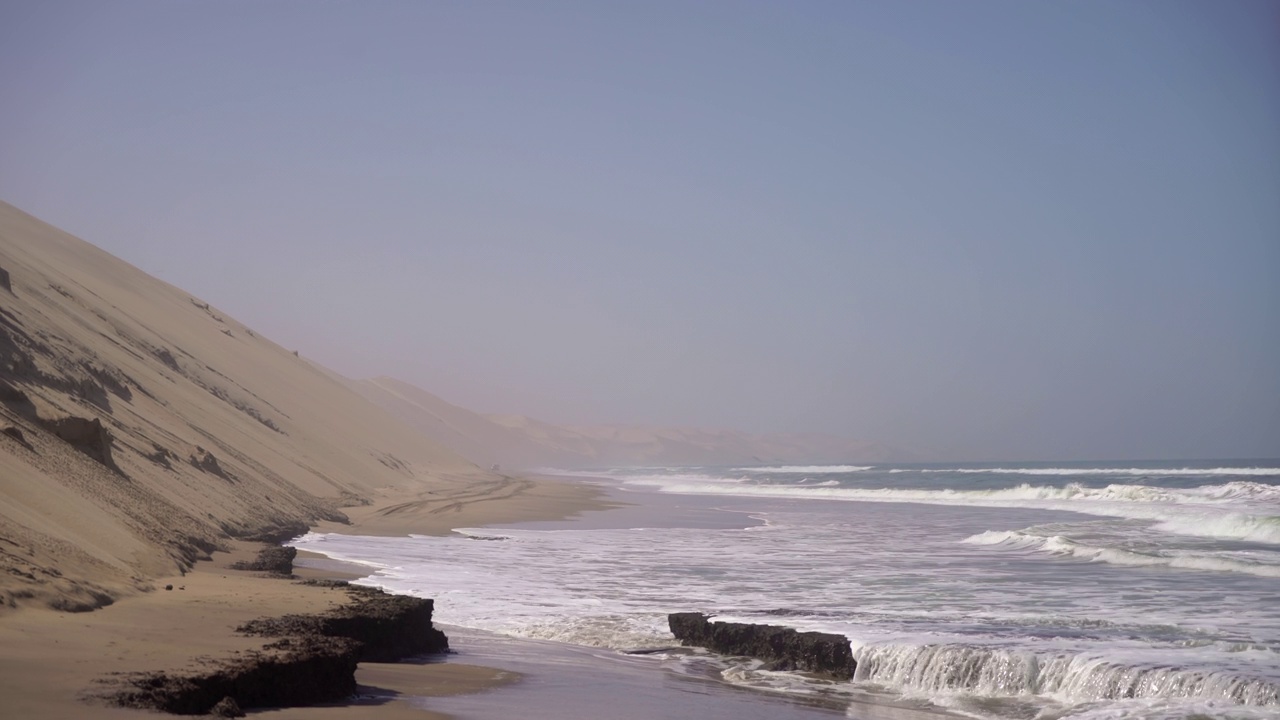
x=561 y=678
x=52 y=663
x=471 y=502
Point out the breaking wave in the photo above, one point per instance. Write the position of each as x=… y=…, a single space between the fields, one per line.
x=1184 y=559
x=1198 y=511
x=806 y=469
x=1211 y=511
x=996 y=672
x=1132 y=472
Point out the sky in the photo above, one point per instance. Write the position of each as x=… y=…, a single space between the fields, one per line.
x=980 y=230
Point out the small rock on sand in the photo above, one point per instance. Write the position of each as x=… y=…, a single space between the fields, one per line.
x=226 y=707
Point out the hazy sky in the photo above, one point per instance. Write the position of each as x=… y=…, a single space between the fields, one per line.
x=983 y=229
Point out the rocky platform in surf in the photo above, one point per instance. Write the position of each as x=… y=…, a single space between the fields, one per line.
x=782 y=648
x=312 y=659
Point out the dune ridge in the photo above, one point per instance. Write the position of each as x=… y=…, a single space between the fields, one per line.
x=144 y=427
x=524 y=442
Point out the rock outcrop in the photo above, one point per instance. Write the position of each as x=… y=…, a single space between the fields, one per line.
x=387 y=627
x=781 y=647
x=86 y=435
x=205 y=460
x=142 y=436
x=16 y=434
x=313 y=659
x=304 y=672
x=275 y=560
x=227 y=707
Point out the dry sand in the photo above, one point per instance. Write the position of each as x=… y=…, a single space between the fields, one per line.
x=148 y=426
x=504 y=499
x=52 y=663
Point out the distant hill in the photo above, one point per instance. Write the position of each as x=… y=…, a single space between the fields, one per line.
x=522 y=442
x=141 y=426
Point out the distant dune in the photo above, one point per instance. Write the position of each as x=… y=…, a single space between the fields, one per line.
x=522 y=442
x=143 y=427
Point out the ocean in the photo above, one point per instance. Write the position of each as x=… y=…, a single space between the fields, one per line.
x=995 y=591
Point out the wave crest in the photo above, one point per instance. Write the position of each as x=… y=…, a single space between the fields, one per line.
x=1132 y=472
x=1234 y=511
x=934 y=669
x=1183 y=559
x=806 y=469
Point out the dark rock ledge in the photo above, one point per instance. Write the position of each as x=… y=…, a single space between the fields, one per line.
x=274 y=559
x=387 y=627
x=313 y=659
x=781 y=647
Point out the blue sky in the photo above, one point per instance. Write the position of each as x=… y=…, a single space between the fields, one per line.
x=985 y=230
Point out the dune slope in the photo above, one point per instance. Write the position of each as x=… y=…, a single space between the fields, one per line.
x=143 y=427
x=524 y=442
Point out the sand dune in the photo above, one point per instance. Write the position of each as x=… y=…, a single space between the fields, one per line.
x=523 y=442
x=145 y=426
x=468 y=433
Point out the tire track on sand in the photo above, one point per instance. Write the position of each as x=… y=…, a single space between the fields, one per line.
x=485 y=491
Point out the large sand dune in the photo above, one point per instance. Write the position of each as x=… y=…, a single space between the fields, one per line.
x=144 y=427
x=524 y=442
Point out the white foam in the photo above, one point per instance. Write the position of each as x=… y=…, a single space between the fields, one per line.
x=1231 y=526
x=1184 y=559
x=1238 y=490
x=806 y=469
x=1011 y=538
x=1213 y=511
x=934 y=670
x=893 y=579
x=1133 y=472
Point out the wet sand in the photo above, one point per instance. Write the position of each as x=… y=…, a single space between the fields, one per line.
x=568 y=681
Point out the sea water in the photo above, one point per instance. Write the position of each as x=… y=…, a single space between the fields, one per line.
x=1101 y=590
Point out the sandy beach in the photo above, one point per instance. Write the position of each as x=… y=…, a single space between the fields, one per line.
x=53 y=663
x=150 y=440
